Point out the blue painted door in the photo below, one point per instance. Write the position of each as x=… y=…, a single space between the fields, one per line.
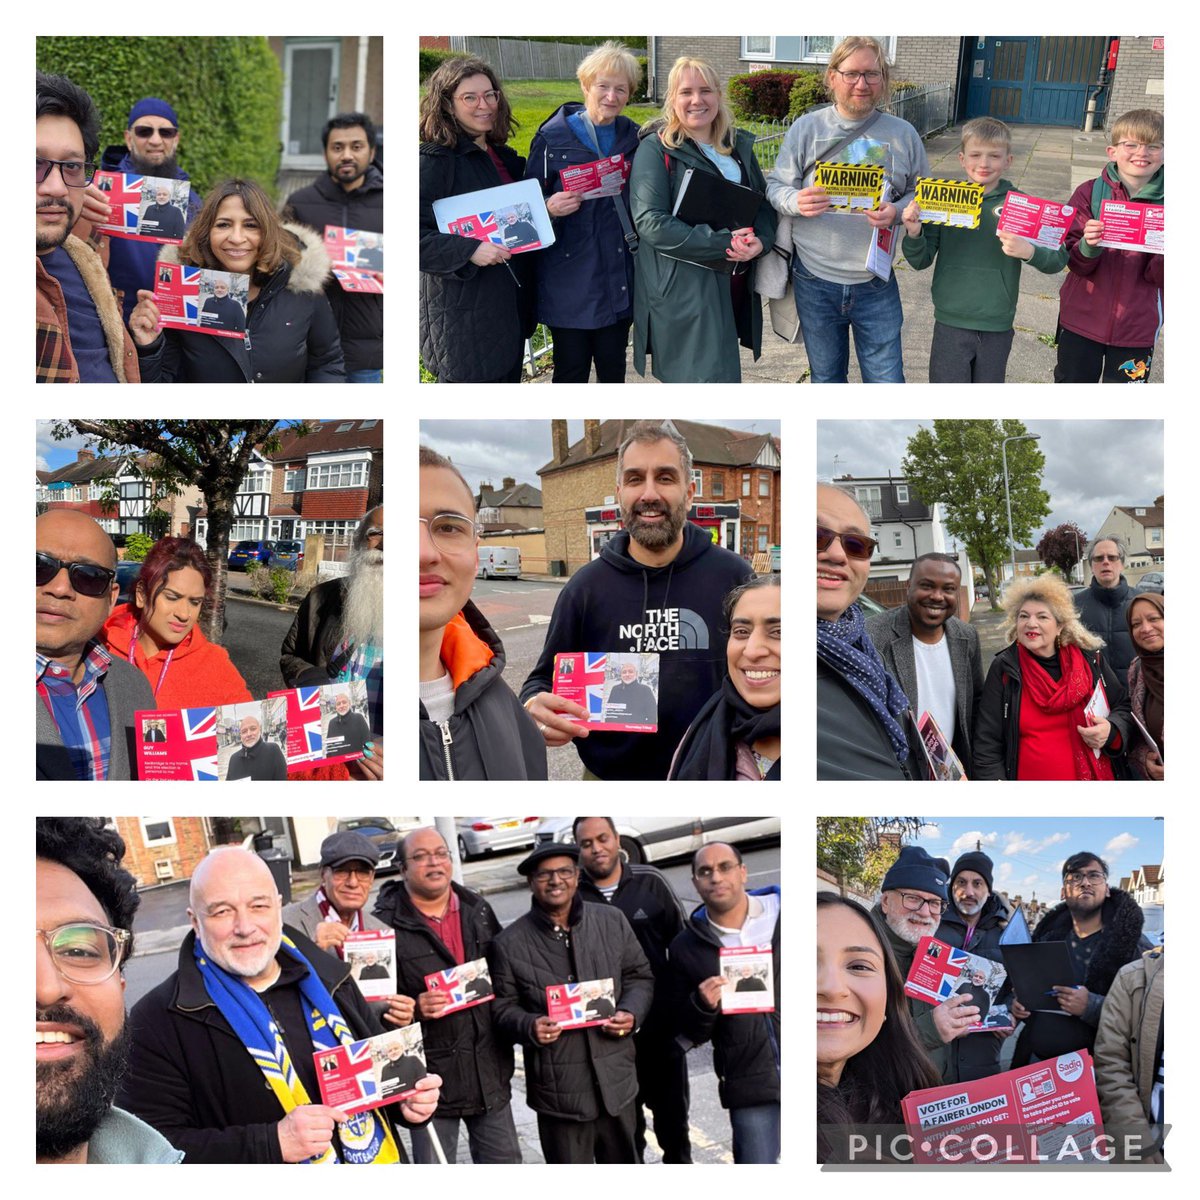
x=1032 y=81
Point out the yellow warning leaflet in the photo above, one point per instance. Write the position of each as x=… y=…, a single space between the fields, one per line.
x=851 y=187
x=953 y=202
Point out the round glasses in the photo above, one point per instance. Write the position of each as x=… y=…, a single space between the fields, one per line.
x=85 y=953
x=450 y=533
x=89 y=579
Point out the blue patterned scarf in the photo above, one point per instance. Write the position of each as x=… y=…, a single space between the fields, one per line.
x=846 y=646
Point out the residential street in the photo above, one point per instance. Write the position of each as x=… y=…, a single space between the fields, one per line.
x=253 y=639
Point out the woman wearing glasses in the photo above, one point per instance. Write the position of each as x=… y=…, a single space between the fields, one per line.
x=471 y=724
x=1052 y=707
x=476 y=297
x=835 y=291
x=862 y=712
x=159 y=632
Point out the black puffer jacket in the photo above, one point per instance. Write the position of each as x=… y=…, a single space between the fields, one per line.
x=489 y=735
x=585 y=1070
x=359 y=315
x=851 y=744
x=462 y=1048
x=474 y=320
x=311 y=643
x=291 y=336
x=1102 y=610
x=746 y=1046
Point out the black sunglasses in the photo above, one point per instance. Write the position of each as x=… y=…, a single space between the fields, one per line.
x=86 y=578
x=146 y=131
x=856 y=545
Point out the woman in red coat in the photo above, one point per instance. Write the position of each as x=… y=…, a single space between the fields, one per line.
x=159 y=634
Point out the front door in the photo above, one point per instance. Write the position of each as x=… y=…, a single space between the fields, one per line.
x=1031 y=80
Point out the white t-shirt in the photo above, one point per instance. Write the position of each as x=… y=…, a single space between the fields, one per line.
x=935 y=684
x=438 y=697
x=759 y=926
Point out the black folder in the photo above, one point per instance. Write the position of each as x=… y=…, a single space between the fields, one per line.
x=1034 y=968
x=708 y=199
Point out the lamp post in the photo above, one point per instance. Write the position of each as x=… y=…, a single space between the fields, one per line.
x=1024 y=437
x=1078 y=553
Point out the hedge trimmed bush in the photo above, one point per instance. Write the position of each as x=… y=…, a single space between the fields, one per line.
x=808 y=90
x=432 y=59
x=228 y=92
x=761 y=95
x=642 y=92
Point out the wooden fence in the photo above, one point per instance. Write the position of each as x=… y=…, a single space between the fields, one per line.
x=512 y=58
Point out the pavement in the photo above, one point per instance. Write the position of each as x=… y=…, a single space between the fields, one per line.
x=989 y=625
x=1047 y=162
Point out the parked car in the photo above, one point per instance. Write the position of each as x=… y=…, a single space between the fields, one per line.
x=482 y=835
x=380 y=831
x=245 y=553
x=289 y=555
x=869 y=607
x=127 y=573
x=495 y=561
x=651 y=839
x=1151 y=582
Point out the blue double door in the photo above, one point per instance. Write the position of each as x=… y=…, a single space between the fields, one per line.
x=1032 y=80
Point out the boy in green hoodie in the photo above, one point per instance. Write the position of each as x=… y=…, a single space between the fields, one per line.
x=978 y=270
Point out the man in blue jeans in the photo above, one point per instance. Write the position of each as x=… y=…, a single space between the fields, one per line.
x=745 y=1044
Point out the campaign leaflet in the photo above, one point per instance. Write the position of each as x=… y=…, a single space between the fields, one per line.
x=1048 y=1112
x=326 y=724
x=372 y=1071
x=1133 y=226
x=371 y=955
x=467 y=985
x=359 y=281
x=749 y=974
x=355 y=249
x=940 y=971
x=226 y=743
x=1097 y=707
x=201 y=300
x=578 y=1005
x=1042 y=222
x=618 y=690
x=883 y=244
x=852 y=187
x=955 y=203
x=512 y=215
x=593 y=180
x=941 y=762
x=145 y=208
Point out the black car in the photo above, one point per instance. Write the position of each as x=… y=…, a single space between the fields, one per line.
x=380 y=831
x=127 y=573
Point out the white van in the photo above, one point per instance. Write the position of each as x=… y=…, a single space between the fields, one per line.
x=498 y=561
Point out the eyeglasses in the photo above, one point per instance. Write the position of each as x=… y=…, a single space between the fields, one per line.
x=450 y=533
x=167 y=132
x=855 y=76
x=856 y=545
x=470 y=99
x=1106 y=558
x=721 y=868
x=557 y=873
x=85 y=953
x=1076 y=878
x=343 y=873
x=915 y=903
x=86 y=578
x=1148 y=147
x=424 y=856
x=74 y=173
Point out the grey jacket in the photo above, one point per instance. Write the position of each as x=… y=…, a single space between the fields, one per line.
x=305 y=915
x=123 y=1138
x=891 y=632
x=126 y=690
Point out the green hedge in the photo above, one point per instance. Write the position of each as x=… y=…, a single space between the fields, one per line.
x=761 y=95
x=228 y=92
x=432 y=59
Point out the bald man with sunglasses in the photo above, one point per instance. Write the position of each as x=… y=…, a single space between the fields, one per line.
x=86 y=699
x=863 y=715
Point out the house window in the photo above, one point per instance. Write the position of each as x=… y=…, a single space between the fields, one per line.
x=817 y=48
x=716 y=484
x=745 y=483
x=293 y=479
x=871 y=500
x=758 y=45
x=789 y=48
x=338 y=536
x=902 y=493
x=338 y=475
x=764 y=537
x=367 y=424
x=157 y=831
x=698 y=480
x=1154 y=536
x=764 y=485
x=488 y=516
x=255 y=481
x=897 y=538
x=247 y=531
x=344 y=427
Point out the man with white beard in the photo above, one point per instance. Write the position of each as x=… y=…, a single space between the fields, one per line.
x=912 y=900
x=337 y=637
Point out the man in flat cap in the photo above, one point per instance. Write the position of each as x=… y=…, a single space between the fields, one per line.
x=582 y=1083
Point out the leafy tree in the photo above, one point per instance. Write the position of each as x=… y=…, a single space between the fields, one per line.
x=1063 y=547
x=958 y=464
x=137 y=546
x=852 y=849
x=211 y=455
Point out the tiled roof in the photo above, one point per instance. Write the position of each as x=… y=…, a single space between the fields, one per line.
x=708 y=443
x=329 y=436
x=524 y=495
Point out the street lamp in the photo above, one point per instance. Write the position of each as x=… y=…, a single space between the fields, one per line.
x=1024 y=437
x=1078 y=553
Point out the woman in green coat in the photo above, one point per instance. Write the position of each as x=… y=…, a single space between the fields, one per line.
x=687 y=315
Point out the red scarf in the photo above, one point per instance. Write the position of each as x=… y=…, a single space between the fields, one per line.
x=1050 y=745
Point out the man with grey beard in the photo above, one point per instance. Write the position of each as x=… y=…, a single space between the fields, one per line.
x=337 y=636
x=912 y=900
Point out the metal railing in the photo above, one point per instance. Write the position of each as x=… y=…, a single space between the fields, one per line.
x=513 y=58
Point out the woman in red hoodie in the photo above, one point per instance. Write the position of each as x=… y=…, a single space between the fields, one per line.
x=159 y=634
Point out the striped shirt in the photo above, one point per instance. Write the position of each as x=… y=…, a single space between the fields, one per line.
x=80 y=712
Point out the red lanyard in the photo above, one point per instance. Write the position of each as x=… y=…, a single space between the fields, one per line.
x=170 y=654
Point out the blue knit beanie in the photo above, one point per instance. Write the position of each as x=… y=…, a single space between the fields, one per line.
x=915 y=869
x=152 y=106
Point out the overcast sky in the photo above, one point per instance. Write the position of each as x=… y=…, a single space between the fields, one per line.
x=490 y=450
x=1090 y=465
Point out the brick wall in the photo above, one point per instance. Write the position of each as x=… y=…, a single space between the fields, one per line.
x=926 y=59
x=340 y=504
x=1138 y=65
x=722 y=52
x=756 y=510
x=189 y=847
x=565 y=494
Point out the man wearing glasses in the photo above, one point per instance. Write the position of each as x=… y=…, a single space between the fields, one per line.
x=85 y=908
x=863 y=715
x=81 y=336
x=1102 y=607
x=440 y=924
x=86 y=699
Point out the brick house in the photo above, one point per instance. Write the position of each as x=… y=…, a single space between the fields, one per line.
x=511 y=506
x=737 y=476
x=162 y=849
x=1021 y=80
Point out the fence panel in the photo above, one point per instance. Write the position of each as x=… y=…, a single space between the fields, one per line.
x=515 y=58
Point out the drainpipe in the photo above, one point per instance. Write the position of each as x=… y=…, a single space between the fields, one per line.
x=360 y=78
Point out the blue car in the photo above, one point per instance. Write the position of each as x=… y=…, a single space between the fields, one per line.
x=288 y=554
x=244 y=553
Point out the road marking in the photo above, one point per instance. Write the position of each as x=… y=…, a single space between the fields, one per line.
x=535 y=619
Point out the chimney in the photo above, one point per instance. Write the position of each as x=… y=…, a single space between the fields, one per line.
x=86 y=456
x=558 y=438
x=591 y=436
x=508 y=483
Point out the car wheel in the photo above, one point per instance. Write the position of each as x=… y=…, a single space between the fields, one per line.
x=462 y=851
x=633 y=852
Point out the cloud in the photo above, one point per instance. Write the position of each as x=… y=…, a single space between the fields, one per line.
x=1053 y=840
x=1029 y=881
x=967 y=841
x=1118 y=845
x=46 y=444
x=1018 y=843
x=1003 y=874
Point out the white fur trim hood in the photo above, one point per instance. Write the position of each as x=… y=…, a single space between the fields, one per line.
x=310 y=274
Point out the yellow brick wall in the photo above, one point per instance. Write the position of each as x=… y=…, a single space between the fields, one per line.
x=565 y=495
x=189 y=847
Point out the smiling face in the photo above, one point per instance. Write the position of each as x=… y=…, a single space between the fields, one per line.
x=155 y=148
x=426 y=878
x=851 y=988
x=554 y=894
x=57 y=206
x=753 y=651
x=652 y=495
x=696 y=105
x=605 y=97
x=628 y=672
x=447 y=566
x=342 y=703
x=1136 y=162
x=235 y=237
x=348 y=885
x=909 y=925
x=855 y=100
x=237 y=914
x=176 y=607
x=932 y=596
x=1037 y=628
x=1146 y=624
x=840 y=578
x=472 y=110
x=220 y=290
x=984 y=162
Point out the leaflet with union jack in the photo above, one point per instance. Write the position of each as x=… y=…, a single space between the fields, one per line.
x=125 y=192
x=512 y=215
x=618 y=690
x=351 y=1076
x=308 y=710
x=463 y=992
x=355 y=249
x=570 y=1003
x=177 y=743
x=359 y=281
x=940 y=971
x=180 y=293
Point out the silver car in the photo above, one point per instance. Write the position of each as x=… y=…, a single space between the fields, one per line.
x=651 y=839
x=482 y=835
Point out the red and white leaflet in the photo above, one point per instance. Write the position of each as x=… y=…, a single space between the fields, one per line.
x=467 y=985
x=578 y=1005
x=1043 y=222
x=940 y=760
x=371 y=955
x=604 y=177
x=1132 y=226
x=372 y=1072
x=940 y=971
x=365 y=282
x=132 y=216
x=619 y=691
x=187 y=299
x=749 y=973
x=1096 y=707
x=1048 y=1112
